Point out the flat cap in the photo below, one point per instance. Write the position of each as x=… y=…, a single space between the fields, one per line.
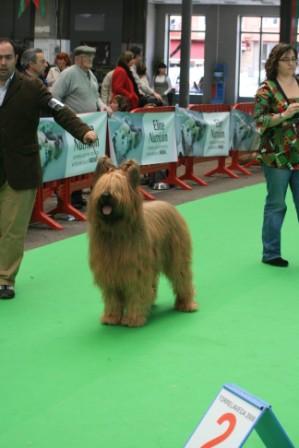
x=84 y=49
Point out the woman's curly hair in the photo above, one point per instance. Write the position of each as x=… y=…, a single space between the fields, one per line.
x=271 y=65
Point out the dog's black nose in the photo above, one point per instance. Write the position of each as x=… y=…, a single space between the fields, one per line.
x=106 y=197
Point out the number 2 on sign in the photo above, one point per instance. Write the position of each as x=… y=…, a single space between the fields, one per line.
x=231 y=419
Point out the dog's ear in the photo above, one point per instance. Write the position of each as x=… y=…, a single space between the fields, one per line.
x=103 y=166
x=133 y=172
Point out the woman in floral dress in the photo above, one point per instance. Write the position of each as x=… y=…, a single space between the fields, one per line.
x=277 y=119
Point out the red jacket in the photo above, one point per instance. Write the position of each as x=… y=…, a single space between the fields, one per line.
x=122 y=85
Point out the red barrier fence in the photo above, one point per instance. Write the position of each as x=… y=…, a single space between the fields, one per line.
x=38 y=214
x=221 y=168
x=171 y=167
x=63 y=188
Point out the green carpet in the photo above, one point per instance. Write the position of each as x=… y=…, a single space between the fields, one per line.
x=67 y=381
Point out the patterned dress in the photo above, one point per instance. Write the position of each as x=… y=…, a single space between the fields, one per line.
x=279 y=145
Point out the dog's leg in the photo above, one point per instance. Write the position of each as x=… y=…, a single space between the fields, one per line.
x=184 y=291
x=113 y=310
x=181 y=280
x=138 y=304
x=134 y=318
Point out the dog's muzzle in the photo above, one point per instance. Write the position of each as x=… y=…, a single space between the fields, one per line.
x=105 y=204
x=107 y=207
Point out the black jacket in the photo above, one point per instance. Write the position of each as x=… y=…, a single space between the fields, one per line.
x=24 y=101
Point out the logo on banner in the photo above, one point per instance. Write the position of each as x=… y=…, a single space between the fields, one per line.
x=126 y=139
x=147 y=138
x=64 y=156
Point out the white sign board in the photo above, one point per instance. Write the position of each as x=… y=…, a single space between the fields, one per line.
x=229 y=421
x=232 y=417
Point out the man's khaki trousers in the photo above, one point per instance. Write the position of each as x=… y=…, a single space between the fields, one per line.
x=15 y=212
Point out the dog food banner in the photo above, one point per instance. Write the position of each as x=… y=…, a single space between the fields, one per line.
x=147 y=138
x=204 y=134
x=244 y=134
x=64 y=156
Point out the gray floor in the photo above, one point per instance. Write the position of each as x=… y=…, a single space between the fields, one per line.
x=39 y=235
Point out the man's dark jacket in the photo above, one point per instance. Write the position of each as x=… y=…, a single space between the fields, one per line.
x=24 y=101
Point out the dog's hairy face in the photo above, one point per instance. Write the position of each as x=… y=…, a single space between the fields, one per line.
x=115 y=194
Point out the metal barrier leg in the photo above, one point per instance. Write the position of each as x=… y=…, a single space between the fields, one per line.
x=39 y=215
x=188 y=162
x=172 y=178
x=235 y=164
x=222 y=169
x=146 y=195
x=254 y=162
x=64 y=205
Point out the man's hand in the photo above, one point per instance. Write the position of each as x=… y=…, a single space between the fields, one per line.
x=90 y=137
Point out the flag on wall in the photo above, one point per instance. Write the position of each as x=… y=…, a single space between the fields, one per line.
x=39 y=4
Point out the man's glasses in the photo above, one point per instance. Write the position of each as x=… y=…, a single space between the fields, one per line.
x=289 y=60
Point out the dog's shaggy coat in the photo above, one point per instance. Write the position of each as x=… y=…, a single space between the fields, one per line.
x=131 y=242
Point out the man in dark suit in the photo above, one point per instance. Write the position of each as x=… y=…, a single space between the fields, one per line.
x=21 y=101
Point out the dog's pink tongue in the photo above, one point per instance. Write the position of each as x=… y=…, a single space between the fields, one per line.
x=107 y=210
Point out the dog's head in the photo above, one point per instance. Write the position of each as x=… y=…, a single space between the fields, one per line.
x=115 y=196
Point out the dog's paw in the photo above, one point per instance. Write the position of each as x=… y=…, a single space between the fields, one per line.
x=186 y=307
x=136 y=321
x=110 y=320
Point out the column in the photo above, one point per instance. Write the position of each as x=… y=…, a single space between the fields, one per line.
x=185 y=52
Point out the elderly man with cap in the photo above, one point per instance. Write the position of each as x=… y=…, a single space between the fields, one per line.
x=78 y=88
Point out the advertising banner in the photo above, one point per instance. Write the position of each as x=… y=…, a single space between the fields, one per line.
x=244 y=134
x=146 y=138
x=64 y=156
x=203 y=134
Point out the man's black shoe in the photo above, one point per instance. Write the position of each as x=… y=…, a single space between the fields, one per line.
x=7 y=292
x=279 y=262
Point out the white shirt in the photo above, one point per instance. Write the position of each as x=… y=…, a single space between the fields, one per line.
x=143 y=88
x=3 y=89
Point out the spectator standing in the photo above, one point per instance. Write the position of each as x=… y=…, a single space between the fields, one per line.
x=21 y=100
x=162 y=83
x=276 y=114
x=106 y=88
x=146 y=93
x=123 y=82
x=141 y=72
x=78 y=88
x=62 y=61
x=34 y=63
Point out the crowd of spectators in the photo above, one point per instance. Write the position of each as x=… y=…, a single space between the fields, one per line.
x=73 y=81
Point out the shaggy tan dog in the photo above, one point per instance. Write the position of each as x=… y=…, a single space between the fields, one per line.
x=131 y=242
